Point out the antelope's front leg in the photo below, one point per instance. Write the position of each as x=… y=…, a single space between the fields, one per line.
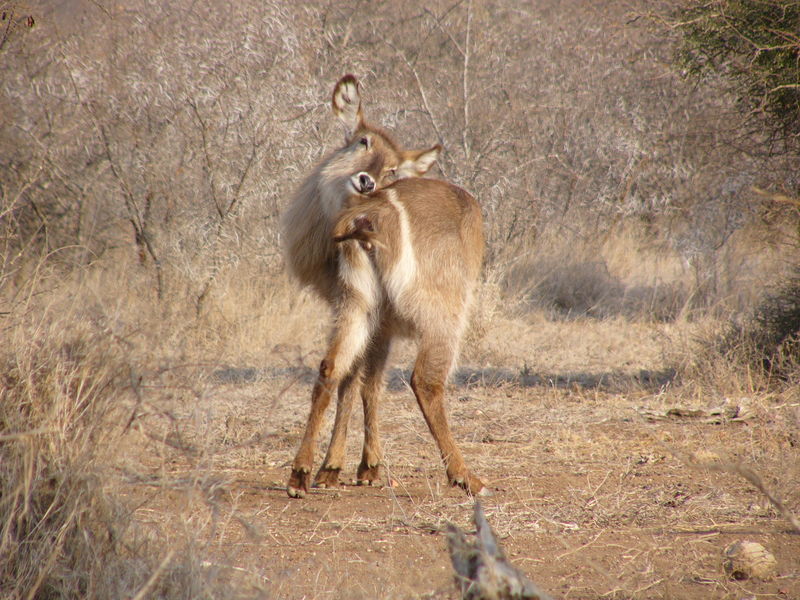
x=328 y=474
x=355 y=321
x=304 y=460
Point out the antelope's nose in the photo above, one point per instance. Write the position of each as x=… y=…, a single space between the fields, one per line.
x=366 y=183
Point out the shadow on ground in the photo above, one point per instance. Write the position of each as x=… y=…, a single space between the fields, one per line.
x=398 y=379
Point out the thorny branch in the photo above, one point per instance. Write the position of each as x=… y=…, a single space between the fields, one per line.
x=135 y=216
x=224 y=211
x=465 y=130
x=207 y=156
x=755 y=480
x=746 y=473
x=425 y=104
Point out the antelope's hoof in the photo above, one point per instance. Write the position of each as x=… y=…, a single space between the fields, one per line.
x=327 y=478
x=298 y=483
x=472 y=485
x=367 y=475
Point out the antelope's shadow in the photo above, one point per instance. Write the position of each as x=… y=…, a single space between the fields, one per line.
x=466 y=377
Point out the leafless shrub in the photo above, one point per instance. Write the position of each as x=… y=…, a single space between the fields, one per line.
x=176 y=131
x=15 y=17
x=173 y=137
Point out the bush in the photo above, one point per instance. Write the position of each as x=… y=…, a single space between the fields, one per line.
x=59 y=528
x=773 y=333
x=577 y=288
x=197 y=122
x=64 y=531
x=755 y=45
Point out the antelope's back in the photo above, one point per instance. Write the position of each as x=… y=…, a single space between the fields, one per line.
x=446 y=227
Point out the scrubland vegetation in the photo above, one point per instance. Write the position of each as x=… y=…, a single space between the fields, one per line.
x=642 y=221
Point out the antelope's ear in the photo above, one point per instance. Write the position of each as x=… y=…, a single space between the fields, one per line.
x=416 y=163
x=346 y=104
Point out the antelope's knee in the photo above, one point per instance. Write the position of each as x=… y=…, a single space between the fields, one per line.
x=326 y=369
x=424 y=386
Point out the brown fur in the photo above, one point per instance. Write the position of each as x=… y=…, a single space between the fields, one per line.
x=409 y=259
x=307 y=222
x=312 y=256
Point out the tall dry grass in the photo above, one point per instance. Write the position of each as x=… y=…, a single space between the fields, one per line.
x=59 y=526
x=73 y=362
x=63 y=532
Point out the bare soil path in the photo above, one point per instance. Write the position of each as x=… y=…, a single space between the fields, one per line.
x=593 y=497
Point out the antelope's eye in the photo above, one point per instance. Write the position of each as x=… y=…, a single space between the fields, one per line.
x=393 y=172
x=364 y=141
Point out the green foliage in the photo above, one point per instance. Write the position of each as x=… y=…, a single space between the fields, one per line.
x=755 y=45
x=769 y=338
x=776 y=326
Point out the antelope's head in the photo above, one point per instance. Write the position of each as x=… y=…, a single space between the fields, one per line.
x=370 y=158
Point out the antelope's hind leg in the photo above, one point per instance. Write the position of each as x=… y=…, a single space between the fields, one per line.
x=330 y=375
x=300 y=478
x=367 y=381
x=371 y=393
x=353 y=330
x=428 y=382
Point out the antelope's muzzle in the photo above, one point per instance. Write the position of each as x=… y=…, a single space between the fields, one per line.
x=363 y=183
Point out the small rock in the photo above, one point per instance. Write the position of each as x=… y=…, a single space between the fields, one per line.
x=747 y=560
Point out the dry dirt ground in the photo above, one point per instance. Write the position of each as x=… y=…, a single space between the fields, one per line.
x=599 y=489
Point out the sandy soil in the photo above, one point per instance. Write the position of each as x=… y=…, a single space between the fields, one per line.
x=599 y=489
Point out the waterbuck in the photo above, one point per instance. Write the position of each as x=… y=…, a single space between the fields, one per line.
x=369 y=159
x=394 y=260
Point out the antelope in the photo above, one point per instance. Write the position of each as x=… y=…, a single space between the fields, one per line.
x=394 y=256
x=369 y=159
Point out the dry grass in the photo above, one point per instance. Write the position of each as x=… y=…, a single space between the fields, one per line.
x=78 y=372
x=156 y=363
x=62 y=397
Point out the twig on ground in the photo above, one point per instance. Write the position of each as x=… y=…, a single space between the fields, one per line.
x=482 y=569
x=142 y=593
x=746 y=473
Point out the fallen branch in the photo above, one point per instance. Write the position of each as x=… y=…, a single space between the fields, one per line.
x=482 y=569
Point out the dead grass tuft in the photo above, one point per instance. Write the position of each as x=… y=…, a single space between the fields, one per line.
x=58 y=396
x=66 y=398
